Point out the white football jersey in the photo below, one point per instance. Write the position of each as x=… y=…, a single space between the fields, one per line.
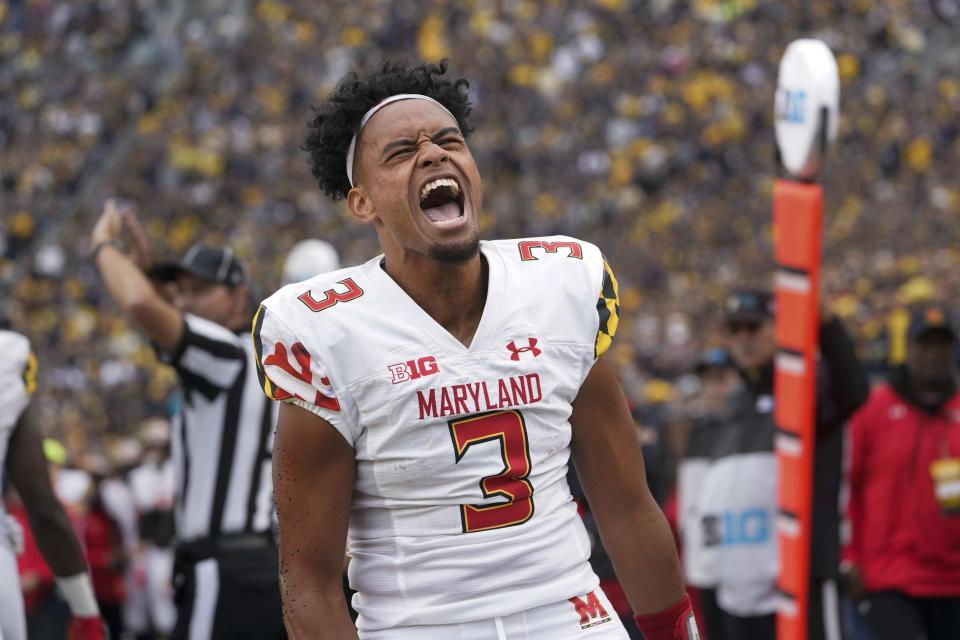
x=461 y=509
x=18 y=380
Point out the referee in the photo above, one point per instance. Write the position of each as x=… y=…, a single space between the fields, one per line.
x=226 y=569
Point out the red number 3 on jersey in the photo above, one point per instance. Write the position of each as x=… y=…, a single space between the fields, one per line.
x=509 y=429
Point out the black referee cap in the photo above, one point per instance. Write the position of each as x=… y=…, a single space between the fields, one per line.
x=205 y=262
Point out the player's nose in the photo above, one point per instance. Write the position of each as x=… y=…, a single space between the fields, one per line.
x=432 y=154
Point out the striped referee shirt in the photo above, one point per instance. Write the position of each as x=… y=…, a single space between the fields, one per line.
x=223 y=439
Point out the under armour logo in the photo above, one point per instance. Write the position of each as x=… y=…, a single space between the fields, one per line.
x=515 y=351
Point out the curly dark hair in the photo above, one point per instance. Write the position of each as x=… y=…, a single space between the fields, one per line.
x=336 y=119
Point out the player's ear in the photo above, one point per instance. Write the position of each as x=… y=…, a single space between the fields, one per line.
x=361 y=206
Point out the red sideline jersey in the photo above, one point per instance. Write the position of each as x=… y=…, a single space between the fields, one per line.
x=901 y=538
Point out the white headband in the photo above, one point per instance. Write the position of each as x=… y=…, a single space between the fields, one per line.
x=373 y=110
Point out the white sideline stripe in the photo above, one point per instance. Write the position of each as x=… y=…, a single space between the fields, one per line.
x=788 y=445
x=791 y=364
x=794 y=282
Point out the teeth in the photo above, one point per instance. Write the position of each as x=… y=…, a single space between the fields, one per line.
x=441 y=182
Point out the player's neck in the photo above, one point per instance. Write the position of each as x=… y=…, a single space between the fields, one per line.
x=454 y=295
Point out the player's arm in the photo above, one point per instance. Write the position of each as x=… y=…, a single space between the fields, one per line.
x=126 y=281
x=634 y=531
x=27 y=469
x=313 y=474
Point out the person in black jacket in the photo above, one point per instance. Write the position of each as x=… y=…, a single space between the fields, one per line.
x=740 y=494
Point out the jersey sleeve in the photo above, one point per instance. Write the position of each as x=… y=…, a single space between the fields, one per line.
x=18 y=376
x=608 y=310
x=289 y=372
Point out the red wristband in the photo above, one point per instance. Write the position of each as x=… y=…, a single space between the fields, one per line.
x=86 y=629
x=675 y=623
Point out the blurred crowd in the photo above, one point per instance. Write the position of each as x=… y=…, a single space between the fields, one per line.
x=644 y=126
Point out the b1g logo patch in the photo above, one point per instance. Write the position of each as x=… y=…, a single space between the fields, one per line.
x=591 y=611
x=413 y=369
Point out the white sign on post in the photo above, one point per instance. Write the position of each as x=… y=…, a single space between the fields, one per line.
x=808 y=83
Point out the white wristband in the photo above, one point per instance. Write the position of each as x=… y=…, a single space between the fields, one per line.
x=78 y=592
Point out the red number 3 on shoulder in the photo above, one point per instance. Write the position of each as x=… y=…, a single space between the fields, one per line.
x=331 y=296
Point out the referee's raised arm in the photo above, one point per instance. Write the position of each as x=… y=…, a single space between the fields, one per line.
x=127 y=280
x=197 y=312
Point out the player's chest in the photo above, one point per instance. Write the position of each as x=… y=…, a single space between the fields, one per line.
x=422 y=388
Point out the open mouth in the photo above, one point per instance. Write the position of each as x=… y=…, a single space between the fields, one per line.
x=441 y=201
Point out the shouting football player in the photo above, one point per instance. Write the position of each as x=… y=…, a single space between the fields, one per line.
x=434 y=396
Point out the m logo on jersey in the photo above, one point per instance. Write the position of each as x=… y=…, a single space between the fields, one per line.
x=527 y=247
x=591 y=610
x=413 y=369
x=515 y=351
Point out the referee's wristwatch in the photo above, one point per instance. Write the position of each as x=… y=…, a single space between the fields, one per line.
x=95 y=250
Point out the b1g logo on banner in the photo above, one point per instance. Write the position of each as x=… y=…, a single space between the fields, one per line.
x=750 y=527
x=790 y=107
x=806 y=106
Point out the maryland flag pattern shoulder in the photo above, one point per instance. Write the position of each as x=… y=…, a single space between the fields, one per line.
x=18 y=377
x=258 y=349
x=289 y=363
x=18 y=361
x=608 y=310
x=580 y=273
x=30 y=373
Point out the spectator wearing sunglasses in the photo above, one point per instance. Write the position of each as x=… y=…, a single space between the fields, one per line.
x=738 y=504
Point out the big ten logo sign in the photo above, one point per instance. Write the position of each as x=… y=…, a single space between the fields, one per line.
x=413 y=369
x=748 y=527
x=790 y=106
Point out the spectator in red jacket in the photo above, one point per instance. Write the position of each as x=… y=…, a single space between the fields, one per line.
x=903 y=559
x=103 y=542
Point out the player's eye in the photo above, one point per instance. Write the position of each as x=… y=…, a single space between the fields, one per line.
x=449 y=142
x=400 y=153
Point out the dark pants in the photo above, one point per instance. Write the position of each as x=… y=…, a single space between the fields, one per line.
x=713 y=621
x=112 y=614
x=752 y=627
x=895 y=616
x=823 y=618
x=230 y=594
x=49 y=620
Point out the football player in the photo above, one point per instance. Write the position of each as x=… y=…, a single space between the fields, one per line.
x=434 y=396
x=23 y=463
